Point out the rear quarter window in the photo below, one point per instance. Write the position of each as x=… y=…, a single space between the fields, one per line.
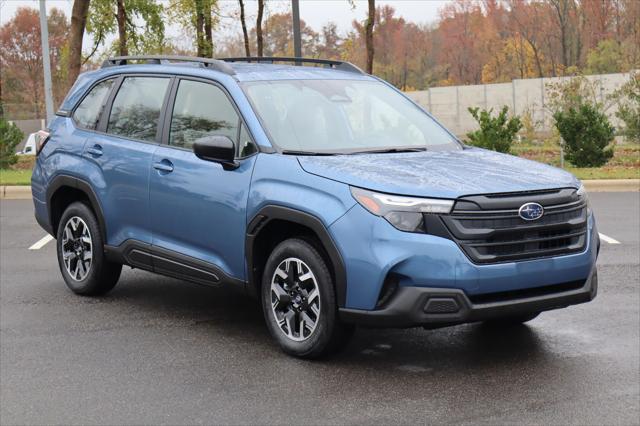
x=87 y=114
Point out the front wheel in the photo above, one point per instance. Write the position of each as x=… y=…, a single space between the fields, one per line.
x=81 y=258
x=299 y=302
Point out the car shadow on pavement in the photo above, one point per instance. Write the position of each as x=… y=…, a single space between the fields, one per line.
x=221 y=311
x=456 y=347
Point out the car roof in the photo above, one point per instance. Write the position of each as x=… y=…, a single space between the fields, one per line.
x=242 y=72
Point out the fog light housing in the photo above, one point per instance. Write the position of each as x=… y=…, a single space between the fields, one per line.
x=389 y=288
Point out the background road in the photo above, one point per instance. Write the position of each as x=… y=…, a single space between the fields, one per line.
x=157 y=350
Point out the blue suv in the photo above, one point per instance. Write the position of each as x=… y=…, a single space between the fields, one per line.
x=321 y=190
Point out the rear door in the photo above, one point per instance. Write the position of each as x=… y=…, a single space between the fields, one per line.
x=198 y=207
x=122 y=149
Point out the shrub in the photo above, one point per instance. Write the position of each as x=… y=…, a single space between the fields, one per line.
x=587 y=133
x=495 y=133
x=529 y=132
x=629 y=108
x=10 y=137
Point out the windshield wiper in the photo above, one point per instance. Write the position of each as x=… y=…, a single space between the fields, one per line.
x=387 y=150
x=293 y=152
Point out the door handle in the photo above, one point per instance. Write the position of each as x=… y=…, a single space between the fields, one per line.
x=95 y=150
x=163 y=166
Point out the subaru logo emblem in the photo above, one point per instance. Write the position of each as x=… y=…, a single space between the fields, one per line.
x=531 y=211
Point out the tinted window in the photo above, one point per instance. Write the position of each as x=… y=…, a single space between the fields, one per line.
x=136 y=108
x=200 y=110
x=88 y=112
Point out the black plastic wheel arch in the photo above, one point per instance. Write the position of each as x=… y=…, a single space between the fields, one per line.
x=76 y=183
x=275 y=212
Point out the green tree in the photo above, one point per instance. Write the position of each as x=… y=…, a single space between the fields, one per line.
x=587 y=133
x=495 y=133
x=10 y=137
x=629 y=108
x=606 y=58
x=139 y=24
x=198 y=17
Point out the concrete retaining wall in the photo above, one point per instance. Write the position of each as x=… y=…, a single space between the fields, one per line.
x=450 y=104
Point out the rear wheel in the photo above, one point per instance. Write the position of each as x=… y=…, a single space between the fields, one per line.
x=299 y=301
x=80 y=253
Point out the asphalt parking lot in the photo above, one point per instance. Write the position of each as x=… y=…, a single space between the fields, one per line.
x=160 y=351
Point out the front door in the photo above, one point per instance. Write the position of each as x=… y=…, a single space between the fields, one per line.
x=198 y=208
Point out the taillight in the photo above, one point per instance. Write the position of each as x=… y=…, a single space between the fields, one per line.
x=42 y=136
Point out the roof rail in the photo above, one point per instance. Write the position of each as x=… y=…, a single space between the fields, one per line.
x=215 y=64
x=329 y=63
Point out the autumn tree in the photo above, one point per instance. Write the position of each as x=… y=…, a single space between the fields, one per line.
x=473 y=42
x=460 y=27
x=527 y=23
x=278 y=36
x=21 y=62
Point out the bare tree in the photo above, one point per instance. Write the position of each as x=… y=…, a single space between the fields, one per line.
x=208 y=29
x=369 y=35
x=259 y=27
x=247 y=51
x=563 y=10
x=78 y=23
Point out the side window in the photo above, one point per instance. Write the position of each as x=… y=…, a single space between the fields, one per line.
x=136 y=108
x=200 y=110
x=246 y=147
x=88 y=112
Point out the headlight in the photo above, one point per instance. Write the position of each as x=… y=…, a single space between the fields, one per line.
x=404 y=213
x=582 y=193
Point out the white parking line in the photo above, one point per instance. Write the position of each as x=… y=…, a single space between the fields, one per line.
x=41 y=243
x=607 y=239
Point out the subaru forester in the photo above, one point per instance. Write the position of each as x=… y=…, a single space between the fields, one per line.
x=325 y=192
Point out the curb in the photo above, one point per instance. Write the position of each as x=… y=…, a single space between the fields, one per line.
x=594 y=185
x=612 y=185
x=15 y=192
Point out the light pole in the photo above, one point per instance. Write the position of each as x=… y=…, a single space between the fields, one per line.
x=44 y=32
x=297 y=41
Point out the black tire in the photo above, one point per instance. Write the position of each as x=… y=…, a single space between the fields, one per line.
x=329 y=334
x=512 y=320
x=100 y=275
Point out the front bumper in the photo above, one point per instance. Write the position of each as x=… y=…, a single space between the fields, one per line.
x=375 y=252
x=442 y=307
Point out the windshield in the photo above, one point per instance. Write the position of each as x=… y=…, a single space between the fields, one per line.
x=343 y=116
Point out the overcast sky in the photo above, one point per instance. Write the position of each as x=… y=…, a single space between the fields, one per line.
x=315 y=12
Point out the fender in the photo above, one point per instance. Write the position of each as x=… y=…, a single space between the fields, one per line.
x=271 y=212
x=73 y=182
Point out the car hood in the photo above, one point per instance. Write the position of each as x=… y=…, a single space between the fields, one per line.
x=440 y=174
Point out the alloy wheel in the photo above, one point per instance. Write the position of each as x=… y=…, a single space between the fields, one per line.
x=295 y=299
x=77 y=248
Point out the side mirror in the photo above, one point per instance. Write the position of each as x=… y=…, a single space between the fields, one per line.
x=219 y=149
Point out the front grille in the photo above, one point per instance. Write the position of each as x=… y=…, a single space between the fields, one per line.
x=490 y=230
